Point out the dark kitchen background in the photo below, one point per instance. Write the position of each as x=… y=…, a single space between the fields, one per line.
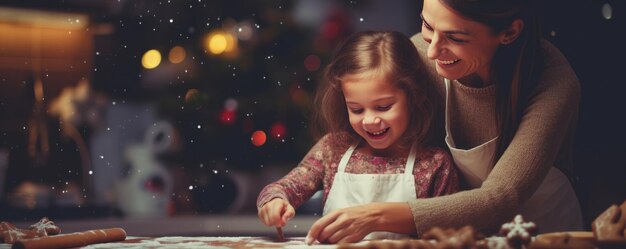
x=120 y=108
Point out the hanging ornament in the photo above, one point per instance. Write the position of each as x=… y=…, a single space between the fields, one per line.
x=227 y=117
x=278 y=131
x=258 y=138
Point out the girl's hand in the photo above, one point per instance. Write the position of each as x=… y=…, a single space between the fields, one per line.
x=345 y=225
x=276 y=212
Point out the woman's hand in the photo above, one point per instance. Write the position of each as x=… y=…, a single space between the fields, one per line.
x=345 y=225
x=276 y=212
x=354 y=223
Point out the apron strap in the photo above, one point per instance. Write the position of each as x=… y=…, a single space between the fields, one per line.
x=410 y=161
x=447 y=116
x=345 y=158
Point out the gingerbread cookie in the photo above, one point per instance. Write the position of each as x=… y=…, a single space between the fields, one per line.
x=611 y=224
x=609 y=228
x=564 y=240
x=518 y=232
x=10 y=234
x=466 y=237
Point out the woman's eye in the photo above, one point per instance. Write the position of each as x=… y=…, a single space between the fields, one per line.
x=428 y=27
x=456 y=40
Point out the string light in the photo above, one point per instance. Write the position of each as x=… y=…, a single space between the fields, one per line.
x=151 y=59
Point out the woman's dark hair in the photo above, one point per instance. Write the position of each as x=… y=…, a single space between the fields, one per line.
x=515 y=66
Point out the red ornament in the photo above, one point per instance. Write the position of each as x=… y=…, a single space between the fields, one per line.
x=312 y=63
x=227 y=117
x=278 y=131
x=258 y=138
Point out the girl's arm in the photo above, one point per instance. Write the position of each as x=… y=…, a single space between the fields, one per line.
x=303 y=181
x=445 y=178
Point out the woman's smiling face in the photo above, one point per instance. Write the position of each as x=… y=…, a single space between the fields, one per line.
x=461 y=48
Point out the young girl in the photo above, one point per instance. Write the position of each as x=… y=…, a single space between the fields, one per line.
x=376 y=111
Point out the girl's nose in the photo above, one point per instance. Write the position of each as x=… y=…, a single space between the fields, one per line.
x=372 y=123
x=371 y=120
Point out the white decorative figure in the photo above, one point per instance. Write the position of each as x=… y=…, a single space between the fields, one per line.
x=147 y=188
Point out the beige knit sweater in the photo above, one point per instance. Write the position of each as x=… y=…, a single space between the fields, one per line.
x=544 y=139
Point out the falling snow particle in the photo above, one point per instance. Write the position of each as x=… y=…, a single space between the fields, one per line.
x=171 y=20
x=361 y=19
x=91 y=172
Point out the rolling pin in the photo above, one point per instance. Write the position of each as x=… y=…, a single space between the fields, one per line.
x=72 y=239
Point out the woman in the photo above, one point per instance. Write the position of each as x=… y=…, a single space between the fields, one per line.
x=511 y=105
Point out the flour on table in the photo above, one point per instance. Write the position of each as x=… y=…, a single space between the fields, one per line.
x=209 y=242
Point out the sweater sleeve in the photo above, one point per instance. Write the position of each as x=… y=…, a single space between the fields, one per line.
x=301 y=182
x=524 y=164
x=446 y=179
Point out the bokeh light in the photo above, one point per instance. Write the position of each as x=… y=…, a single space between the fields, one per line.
x=258 y=138
x=220 y=42
x=312 y=63
x=330 y=30
x=247 y=124
x=151 y=59
x=245 y=31
x=278 y=131
x=177 y=54
x=607 y=11
x=191 y=93
x=217 y=44
x=299 y=96
x=231 y=104
x=227 y=117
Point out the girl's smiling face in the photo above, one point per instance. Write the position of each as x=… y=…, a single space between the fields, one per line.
x=378 y=111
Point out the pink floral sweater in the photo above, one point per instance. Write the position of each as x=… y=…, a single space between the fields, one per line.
x=434 y=173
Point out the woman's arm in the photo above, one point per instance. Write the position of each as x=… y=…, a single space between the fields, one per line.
x=515 y=177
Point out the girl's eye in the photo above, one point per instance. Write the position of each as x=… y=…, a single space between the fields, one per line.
x=384 y=108
x=356 y=111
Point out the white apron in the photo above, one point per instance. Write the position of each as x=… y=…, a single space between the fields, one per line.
x=350 y=190
x=553 y=207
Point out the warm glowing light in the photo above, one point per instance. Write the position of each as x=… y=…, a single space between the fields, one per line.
x=217 y=43
x=151 y=59
x=177 y=54
x=258 y=138
x=221 y=42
